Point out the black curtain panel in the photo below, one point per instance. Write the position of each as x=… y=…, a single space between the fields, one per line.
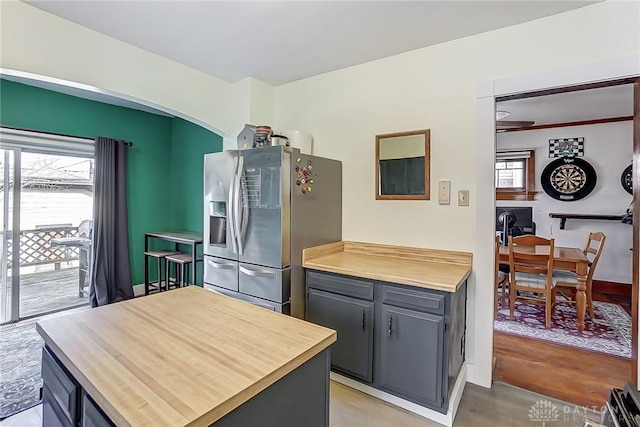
x=111 y=272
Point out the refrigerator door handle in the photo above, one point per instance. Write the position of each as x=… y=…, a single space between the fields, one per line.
x=237 y=203
x=244 y=203
x=257 y=273
x=220 y=265
x=232 y=211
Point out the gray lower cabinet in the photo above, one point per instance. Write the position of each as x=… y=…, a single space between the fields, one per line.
x=52 y=414
x=411 y=353
x=353 y=320
x=299 y=398
x=60 y=393
x=92 y=416
x=405 y=340
x=64 y=404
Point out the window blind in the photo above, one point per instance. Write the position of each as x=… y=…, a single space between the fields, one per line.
x=510 y=155
x=46 y=143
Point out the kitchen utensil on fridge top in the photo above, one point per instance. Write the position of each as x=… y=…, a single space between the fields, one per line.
x=279 y=140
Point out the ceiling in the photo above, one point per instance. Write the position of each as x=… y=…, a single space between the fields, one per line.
x=606 y=102
x=283 y=41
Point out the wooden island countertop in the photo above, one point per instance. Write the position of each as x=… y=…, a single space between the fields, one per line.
x=426 y=268
x=183 y=357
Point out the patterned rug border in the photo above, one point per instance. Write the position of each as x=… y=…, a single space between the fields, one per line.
x=20 y=324
x=615 y=315
x=619 y=321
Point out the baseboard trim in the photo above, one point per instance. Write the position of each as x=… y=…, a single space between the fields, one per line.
x=445 y=419
x=611 y=288
x=138 y=290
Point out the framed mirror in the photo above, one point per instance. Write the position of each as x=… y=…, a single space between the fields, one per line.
x=402 y=165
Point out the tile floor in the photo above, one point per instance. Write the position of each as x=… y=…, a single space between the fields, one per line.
x=502 y=405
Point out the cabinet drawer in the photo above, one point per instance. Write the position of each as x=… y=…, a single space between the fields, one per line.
x=263 y=282
x=284 y=308
x=221 y=272
x=63 y=388
x=92 y=416
x=358 y=288
x=427 y=301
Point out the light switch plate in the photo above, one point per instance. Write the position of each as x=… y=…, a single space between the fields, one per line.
x=463 y=197
x=444 y=192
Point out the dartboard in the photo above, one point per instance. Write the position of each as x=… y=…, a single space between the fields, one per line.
x=568 y=179
x=626 y=179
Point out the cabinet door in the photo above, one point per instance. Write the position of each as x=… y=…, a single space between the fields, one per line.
x=352 y=353
x=52 y=414
x=92 y=416
x=62 y=388
x=411 y=355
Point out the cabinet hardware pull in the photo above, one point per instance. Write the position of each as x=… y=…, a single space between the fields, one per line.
x=363 y=319
x=389 y=331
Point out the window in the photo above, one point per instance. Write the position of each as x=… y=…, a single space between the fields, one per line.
x=515 y=175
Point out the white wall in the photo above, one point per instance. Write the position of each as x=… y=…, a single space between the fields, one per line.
x=609 y=149
x=435 y=88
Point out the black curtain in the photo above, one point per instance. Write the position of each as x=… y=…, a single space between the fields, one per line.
x=111 y=272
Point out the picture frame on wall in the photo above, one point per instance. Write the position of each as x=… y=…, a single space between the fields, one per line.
x=563 y=147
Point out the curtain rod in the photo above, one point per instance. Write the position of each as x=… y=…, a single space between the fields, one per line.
x=127 y=143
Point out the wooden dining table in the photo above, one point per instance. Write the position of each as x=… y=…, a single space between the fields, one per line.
x=567 y=259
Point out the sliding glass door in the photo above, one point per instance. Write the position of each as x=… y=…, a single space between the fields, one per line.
x=46 y=224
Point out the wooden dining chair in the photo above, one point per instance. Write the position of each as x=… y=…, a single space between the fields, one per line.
x=567 y=279
x=501 y=280
x=531 y=273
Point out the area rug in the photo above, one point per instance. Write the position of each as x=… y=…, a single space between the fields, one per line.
x=20 y=381
x=609 y=332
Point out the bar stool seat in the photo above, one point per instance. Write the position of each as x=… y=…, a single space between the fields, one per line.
x=159 y=256
x=182 y=261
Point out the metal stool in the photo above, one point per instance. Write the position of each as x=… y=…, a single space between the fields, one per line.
x=159 y=256
x=183 y=261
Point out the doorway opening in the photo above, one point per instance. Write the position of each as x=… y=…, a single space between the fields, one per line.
x=563 y=158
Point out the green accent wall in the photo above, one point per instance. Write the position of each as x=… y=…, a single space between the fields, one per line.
x=164 y=165
x=189 y=144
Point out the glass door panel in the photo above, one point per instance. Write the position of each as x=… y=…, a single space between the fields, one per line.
x=56 y=213
x=8 y=291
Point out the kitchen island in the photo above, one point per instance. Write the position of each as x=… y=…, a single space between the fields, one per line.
x=187 y=357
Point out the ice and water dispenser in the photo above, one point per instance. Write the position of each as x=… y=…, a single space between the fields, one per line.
x=218 y=223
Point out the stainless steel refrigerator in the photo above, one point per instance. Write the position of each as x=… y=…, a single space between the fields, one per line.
x=262 y=206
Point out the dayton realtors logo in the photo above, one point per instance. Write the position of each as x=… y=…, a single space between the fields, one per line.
x=544 y=411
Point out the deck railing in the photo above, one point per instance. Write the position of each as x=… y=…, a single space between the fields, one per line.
x=36 y=249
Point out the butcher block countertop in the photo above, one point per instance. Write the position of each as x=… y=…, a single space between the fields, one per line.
x=185 y=357
x=426 y=268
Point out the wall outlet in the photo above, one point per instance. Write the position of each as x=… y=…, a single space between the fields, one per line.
x=463 y=197
x=444 y=192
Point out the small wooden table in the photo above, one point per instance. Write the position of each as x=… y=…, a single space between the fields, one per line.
x=568 y=259
x=190 y=238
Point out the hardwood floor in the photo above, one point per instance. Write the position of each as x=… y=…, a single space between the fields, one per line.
x=566 y=373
